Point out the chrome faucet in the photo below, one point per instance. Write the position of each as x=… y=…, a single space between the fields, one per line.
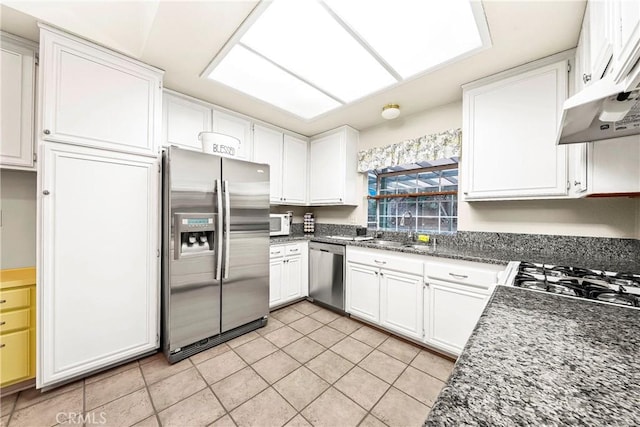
x=406 y=215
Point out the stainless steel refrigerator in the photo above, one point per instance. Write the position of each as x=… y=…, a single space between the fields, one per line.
x=215 y=269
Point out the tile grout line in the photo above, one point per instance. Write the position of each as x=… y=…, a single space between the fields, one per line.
x=13 y=407
x=226 y=412
x=146 y=386
x=84 y=403
x=331 y=385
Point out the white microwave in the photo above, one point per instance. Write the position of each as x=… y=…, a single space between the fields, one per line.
x=279 y=225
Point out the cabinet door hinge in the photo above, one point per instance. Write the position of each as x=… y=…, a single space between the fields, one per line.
x=37 y=58
x=157 y=253
x=157 y=338
x=568 y=67
x=159 y=168
x=35 y=157
x=568 y=185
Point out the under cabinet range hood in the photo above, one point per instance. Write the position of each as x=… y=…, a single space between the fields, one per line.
x=603 y=110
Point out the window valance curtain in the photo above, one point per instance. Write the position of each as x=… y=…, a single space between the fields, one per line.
x=427 y=148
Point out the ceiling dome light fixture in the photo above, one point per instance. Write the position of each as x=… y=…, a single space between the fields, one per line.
x=390 y=111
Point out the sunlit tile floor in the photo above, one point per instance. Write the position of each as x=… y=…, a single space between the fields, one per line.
x=308 y=366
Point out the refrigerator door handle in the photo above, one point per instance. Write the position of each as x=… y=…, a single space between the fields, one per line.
x=227 y=228
x=219 y=234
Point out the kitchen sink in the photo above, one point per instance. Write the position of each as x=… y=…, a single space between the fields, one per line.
x=419 y=247
x=385 y=242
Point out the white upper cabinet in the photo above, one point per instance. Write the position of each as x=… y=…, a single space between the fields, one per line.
x=238 y=127
x=581 y=63
x=294 y=170
x=183 y=120
x=95 y=97
x=614 y=166
x=267 y=148
x=626 y=38
x=17 y=71
x=510 y=124
x=287 y=158
x=599 y=19
x=333 y=167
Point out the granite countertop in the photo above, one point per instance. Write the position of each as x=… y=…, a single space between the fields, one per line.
x=440 y=251
x=488 y=255
x=541 y=359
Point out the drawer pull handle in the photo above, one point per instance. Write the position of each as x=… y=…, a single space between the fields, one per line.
x=2 y=301
x=293 y=250
x=2 y=345
x=458 y=276
x=2 y=323
x=379 y=262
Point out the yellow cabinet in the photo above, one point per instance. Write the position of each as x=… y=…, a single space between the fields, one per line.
x=17 y=326
x=14 y=320
x=14 y=356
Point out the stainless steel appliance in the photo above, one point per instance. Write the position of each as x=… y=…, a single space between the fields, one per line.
x=594 y=285
x=279 y=224
x=326 y=274
x=215 y=248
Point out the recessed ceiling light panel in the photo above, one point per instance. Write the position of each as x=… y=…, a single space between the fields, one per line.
x=309 y=57
x=302 y=37
x=247 y=72
x=412 y=35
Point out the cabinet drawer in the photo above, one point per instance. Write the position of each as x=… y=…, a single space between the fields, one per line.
x=14 y=320
x=14 y=356
x=295 y=249
x=464 y=274
x=15 y=298
x=383 y=260
x=276 y=251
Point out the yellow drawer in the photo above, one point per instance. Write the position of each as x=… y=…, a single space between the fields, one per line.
x=15 y=298
x=14 y=320
x=14 y=357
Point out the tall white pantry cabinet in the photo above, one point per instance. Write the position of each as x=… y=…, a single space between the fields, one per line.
x=99 y=209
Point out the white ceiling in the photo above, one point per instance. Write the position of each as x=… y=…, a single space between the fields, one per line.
x=183 y=37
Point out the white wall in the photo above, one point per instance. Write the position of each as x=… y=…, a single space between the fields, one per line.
x=602 y=217
x=18 y=231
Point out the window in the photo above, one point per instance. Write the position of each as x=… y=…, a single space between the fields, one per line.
x=420 y=200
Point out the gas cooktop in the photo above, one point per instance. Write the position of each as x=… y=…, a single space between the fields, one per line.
x=602 y=286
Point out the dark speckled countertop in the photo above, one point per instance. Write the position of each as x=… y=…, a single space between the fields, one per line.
x=541 y=359
x=491 y=255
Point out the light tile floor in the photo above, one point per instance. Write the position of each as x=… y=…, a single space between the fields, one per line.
x=308 y=366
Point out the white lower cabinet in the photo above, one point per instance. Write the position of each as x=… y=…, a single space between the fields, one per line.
x=401 y=303
x=288 y=273
x=98 y=263
x=363 y=292
x=451 y=313
x=432 y=300
x=386 y=289
x=276 y=266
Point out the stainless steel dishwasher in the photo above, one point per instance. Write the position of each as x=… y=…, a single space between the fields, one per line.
x=326 y=274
